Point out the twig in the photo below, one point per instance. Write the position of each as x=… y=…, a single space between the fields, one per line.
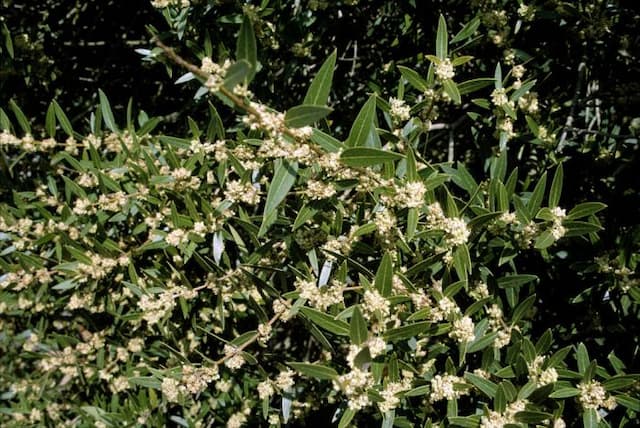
x=574 y=103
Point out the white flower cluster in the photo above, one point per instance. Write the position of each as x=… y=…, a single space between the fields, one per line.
x=233 y=358
x=557 y=229
x=444 y=69
x=390 y=394
x=161 y=4
x=463 y=330
x=499 y=97
x=320 y=297
x=399 y=109
x=194 y=380
x=385 y=221
x=216 y=73
x=444 y=387
x=355 y=385
x=410 y=195
x=157 y=306
x=375 y=304
x=499 y=420
x=319 y=190
x=268 y=120
x=237 y=191
x=505 y=125
x=529 y=103
x=538 y=375
x=594 y=396
x=457 y=232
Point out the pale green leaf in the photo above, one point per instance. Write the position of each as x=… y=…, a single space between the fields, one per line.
x=318 y=92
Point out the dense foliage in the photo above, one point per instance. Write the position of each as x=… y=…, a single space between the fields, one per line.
x=437 y=230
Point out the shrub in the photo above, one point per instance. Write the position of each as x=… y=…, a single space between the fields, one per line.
x=262 y=270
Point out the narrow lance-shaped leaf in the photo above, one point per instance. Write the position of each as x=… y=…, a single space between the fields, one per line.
x=452 y=90
x=107 y=114
x=246 y=46
x=314 y=370
x=365 y=156
x=303 y=115
x=585 y=209
x=283 y=179
x=318 y=92
x=50 y=121
x=358 y=331
x=22 y=119
x=236 y=73
x=467 y=30
x=384 y=276
x=442 y=40
x=63 y=120
x=498 y=77
x=325 y=321
x=537 y=195
x=556 y=188
x=363 y=132
x=413 y=78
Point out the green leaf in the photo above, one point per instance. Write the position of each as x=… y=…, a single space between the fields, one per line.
x=442 y=39
x=590 y=418
x=346 y=418
x=246 y=46
x=524 y=307
x=532 y=417
x=620 y=382
x=50 y=121
x=582 y=358
x=107 y=114
x=384 y=275
x=406 y=331
x=544 y=240
x=363 y=131
x=556 y=188
x=314 y=370
x=579 y=228
x=464 y=421
x=512 y=281
x=558 y=357
x=325 y=321
x=358 y=331
x=366 y=156
x=414 y=78
x=497 y=77
x=146 y=381
x=467 y=31
x=22 y=119
x=236 y=74
x=482 y=343
x=585 y=209
x=628 y=402
x=452 y=90
x=473 y=85
x=564 y=393
x=485 y=385
x=535 y=200
x=8 y=41
x=65 y=124
x=318 y=92
x=462 y=261
x=326 y=141
x=418 y=391
x=303 y=115
x=283 y=179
